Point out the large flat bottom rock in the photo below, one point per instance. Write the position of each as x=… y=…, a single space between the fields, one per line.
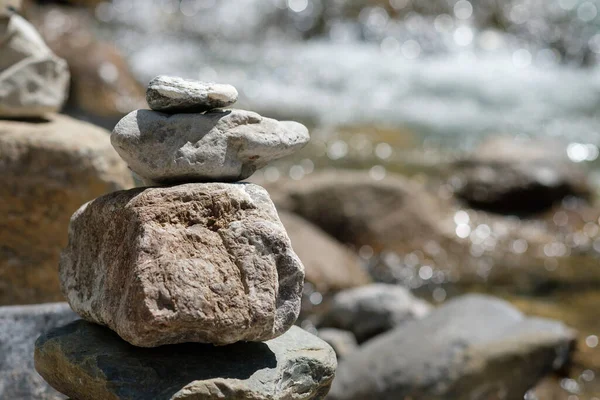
x=472 y=348
x=19 y=328
x=89 y=362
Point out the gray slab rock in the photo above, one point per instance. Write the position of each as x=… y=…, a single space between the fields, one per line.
x=204 y=262
x=220 y=145
x=33 y=80
x=20 y=326
x=370 y=310
x=472 y=348
x=342 y=342
x=171 y=94
x=89 y=362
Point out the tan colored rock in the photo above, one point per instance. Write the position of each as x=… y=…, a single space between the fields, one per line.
x=329 y=265
x=189 y=263
x=47 y=170
x=389 y=214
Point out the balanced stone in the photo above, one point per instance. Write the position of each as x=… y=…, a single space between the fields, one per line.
x=473 y=347
x=220 y=145
x=33 y=80
x=189 y=263
x=89 y=362
x=176 y=95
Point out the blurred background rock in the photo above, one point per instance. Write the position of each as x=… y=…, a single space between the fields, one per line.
x=454 y=142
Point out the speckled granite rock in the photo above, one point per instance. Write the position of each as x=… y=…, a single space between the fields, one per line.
x=189 y=263
x=89 y=362
x=374 y=309
x=172 y=94
x=473 y=347
x=20 y=326
x=220 y=145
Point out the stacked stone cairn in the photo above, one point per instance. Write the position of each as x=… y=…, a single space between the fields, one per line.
x=188 y=288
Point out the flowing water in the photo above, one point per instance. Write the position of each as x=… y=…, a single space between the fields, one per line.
x=399 y=85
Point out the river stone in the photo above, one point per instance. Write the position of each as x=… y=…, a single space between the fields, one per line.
x=172 y=95
x=370 y=310
x=342 y=342
x=518 y=176
x=190 y=263
x=221 y=145
x=47 y=170
x=330 y=266
x=472 y=348
x=89 y=362
x=33 y=80
x=20 y=326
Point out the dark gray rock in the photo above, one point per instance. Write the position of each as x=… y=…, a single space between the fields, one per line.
x=509 y=176
x=373 y=309
x=19 y=328
x=472 y=348
x=90 y=362
x=172 y=94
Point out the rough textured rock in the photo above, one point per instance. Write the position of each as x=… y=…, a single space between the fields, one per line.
x=371 y=310
x=33 y=81
x=329 y=266
x=176 y=95
x=342 y=342
x=96 y=66
x=89 y=362
x=223 y=145
x=190 y=263
x=472 y=348
x=512 y=176
x=47 y=170
x=400 y=215
x=20 y=326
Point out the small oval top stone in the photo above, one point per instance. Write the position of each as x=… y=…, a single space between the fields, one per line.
x=177 y=95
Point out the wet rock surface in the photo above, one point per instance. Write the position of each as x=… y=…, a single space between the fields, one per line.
x=176 y=95
x=473 y=347
x=220 y=145
x=373 y=309
x=188 y=263
x=89 y=362
x=48 y=169
x=20 y=326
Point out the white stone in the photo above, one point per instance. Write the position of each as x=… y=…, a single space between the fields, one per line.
x=174 y=95
x=220 y=145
